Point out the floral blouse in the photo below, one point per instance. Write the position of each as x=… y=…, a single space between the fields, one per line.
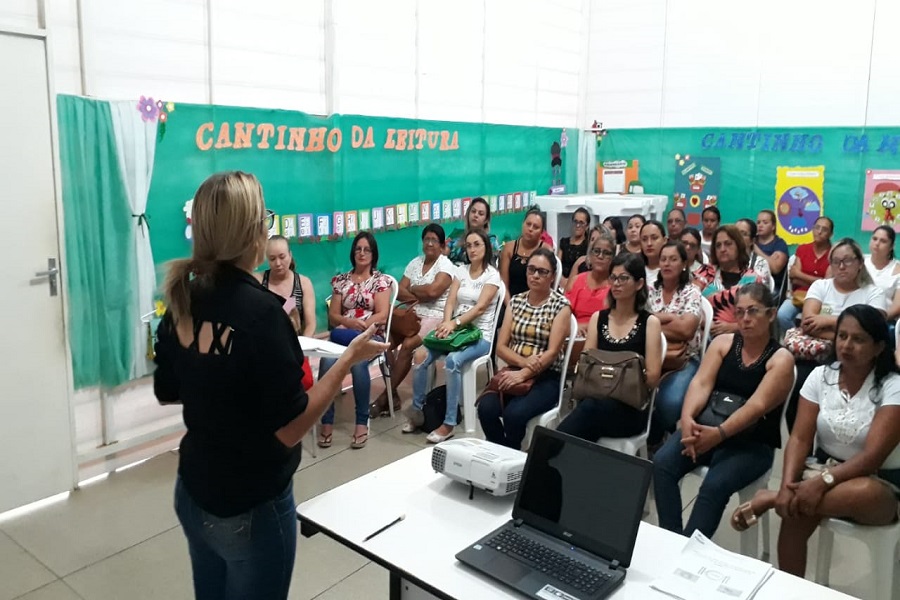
x=358 y=299
x=685 y=301
x=724 y=299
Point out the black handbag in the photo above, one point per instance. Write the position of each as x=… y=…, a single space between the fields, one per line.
x=719 y=407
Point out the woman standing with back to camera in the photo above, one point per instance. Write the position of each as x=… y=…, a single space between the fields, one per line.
x=228 y=352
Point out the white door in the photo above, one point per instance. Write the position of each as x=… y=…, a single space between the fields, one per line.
x=35 y=419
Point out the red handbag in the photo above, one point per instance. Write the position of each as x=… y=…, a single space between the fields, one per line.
x=493 y=386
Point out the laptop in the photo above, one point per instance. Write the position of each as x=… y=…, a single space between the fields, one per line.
x=574 y=522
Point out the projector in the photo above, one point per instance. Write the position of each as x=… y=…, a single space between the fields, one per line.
x=484 y=465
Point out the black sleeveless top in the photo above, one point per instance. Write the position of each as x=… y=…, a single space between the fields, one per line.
x=736 y=378
x=634 y=341
x=518 y=278
x=296 y=293
x=571 y=253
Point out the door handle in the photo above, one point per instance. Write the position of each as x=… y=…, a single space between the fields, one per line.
x=51 y=273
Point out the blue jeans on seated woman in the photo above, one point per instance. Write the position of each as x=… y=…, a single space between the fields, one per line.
x=250 y=555
x=787 y=312
x=362 y=388
x=453 y=364
x=732 y=466
x=516 y=411
x=669 y=400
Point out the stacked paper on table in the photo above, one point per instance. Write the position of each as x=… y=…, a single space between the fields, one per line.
x=704 y=570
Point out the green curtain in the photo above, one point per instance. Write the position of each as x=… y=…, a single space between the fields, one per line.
x=99 y=252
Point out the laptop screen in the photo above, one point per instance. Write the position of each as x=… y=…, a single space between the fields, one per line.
x=582 y=493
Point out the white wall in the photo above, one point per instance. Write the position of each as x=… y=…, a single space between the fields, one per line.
x=502 y=61
x=690 y=63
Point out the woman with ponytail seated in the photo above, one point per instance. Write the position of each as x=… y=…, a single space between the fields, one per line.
x=731 y=419
x=848 y=423
x=295 y=289
x=228 y=353
x=531 y=342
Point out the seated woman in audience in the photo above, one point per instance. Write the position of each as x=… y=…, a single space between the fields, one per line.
x=531 y=342
x=810 y=265
x=588 y=292
x=296 y=290
x=711 y=219
x=885 y=270
x=426 y=281
x=653 y=236
x=625 y=326
x=583 y=264
x=633 y=235
x=515 y=254
x=770 y=246
x=472 y=299
x=614 y=224
x=574 y=247
x=675 y=223
x=757 y=263
x=676 y=303
x=478 y=216
x=702 y=274
x=849 y=420
x=732 y=261
x=359 y=298
x=851 y=284
x=747 y=364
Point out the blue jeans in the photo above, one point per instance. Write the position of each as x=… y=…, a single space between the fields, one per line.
x=250 y=555
x=787 y=312
x=453 y=365
x=517 y=411
x=669 y=399
x=732 y=466
x=362 y=386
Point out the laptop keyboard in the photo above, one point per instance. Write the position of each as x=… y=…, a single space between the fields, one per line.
x=548 y=561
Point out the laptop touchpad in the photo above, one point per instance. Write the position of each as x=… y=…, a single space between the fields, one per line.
x=507 y=569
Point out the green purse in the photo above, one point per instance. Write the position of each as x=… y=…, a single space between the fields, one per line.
x=460 y=338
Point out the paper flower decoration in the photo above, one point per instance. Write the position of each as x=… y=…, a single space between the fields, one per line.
x=148 y=109
x=159 y=308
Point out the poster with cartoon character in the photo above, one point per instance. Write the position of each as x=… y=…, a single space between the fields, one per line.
x=881 y=200
x=799 y=201
x=697 y=181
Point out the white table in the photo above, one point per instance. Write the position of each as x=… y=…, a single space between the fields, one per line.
x=312 y=346
x=440 y=521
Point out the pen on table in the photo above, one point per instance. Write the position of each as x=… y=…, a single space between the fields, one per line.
x=385 y=528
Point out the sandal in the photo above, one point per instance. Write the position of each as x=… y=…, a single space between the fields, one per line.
x=744 y=518
x=359 y=441
x=324 y=440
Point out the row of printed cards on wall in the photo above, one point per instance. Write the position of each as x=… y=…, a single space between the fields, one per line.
x=313 y=227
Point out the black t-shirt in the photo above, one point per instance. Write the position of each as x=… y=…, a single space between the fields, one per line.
x=235 y=400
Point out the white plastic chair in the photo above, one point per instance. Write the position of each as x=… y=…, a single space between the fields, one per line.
x=470 y=370
x=750 y=537
x=883 y=543
x=636 y=445
x=707 y=310
x=559 y=270
x=381 y=359
x=549 y=418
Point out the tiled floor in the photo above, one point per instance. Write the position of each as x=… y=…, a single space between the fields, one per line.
x=119 y=537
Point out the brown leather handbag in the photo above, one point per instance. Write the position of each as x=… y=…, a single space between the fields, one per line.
x=493 y=386
x=618 y=375
x=405 y=323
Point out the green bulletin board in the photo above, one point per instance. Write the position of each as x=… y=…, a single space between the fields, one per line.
x=749 y=159
x=312 y=164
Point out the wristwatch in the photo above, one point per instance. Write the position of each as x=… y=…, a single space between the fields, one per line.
x=457 y=321
x=828 y=478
